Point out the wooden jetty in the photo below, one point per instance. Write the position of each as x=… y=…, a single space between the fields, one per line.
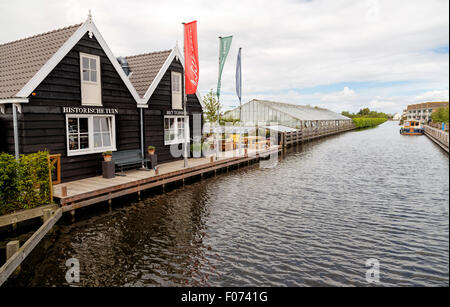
x=81 y=193
x=16 y=254
x=438 y=136
x=24 y=215
x=288 y=139
x=85 y=192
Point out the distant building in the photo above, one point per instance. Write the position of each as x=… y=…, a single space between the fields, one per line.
x=290 y=115
x=422 y=111
x=397 y=116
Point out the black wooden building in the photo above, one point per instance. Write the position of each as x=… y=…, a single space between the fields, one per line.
x=71 y=96
x=158 y=78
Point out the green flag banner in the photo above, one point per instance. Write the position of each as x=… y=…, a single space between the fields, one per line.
x=225 y=44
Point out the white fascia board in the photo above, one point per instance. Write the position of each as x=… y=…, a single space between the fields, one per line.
x=52 y=62
x=159 y=76
x=45 y=70
x=175 y=53
x=114 y=62
x=14 y=100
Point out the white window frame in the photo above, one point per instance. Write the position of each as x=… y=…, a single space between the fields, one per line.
x=186 y=130
x=91 y=149
x=97 y=83
x=176 y=93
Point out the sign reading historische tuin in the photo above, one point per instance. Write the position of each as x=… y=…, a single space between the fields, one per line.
x=87 y=110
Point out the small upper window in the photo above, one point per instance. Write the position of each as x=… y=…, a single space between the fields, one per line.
x=177 y=101
x=91 y=93
x=176 y=83
x=89 y=68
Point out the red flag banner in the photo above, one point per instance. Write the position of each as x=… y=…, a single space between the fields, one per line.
x=191 y=57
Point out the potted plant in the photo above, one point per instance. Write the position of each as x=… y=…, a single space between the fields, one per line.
x=151 y=150
x=107 y=155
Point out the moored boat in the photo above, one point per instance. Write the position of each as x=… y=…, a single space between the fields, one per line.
x=412 y=127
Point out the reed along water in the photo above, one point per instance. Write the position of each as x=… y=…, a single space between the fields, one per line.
x=313 y=220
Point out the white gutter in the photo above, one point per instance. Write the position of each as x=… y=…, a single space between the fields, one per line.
x=14 y=100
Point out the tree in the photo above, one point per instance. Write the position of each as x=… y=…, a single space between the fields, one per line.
x=347 y=114
x=440 y=115
x=212 y=107
x=365 y=111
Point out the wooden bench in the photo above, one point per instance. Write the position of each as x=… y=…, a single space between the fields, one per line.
x=126 y=158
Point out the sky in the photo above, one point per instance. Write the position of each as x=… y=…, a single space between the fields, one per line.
x=337 y=54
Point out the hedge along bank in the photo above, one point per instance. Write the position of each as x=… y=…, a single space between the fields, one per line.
x=368 y=122
x=24 y=184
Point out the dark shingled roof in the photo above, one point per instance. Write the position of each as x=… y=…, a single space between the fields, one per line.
x=144 y=68
x=21 y=60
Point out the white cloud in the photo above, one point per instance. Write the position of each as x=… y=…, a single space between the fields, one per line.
x=345 y=95
x=380 y=103
x=286 y=44
x=433 y=96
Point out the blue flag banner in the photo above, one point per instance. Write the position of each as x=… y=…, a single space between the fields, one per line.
x=225 y=44
x=239 y=76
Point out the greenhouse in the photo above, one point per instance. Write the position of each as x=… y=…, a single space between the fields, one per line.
x=264 y=112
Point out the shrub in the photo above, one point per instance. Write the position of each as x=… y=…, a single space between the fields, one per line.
x=367 y=122
x=9 y=184
x=24 y=184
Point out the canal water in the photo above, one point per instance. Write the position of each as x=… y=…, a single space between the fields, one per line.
x=313 y=220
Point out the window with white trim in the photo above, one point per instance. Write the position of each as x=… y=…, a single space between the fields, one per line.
x=91 y=94
x=175 y=130
x=88 y=134
x=177 y=92
x=78 y=133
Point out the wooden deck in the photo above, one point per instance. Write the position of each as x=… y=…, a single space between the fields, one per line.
x=438 y=136
x=93 y=190
x=308 y=134
x=14 y=261
x=85 y=192
x=24 y=215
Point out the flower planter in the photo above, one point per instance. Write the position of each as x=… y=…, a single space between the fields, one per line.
x=107 y=158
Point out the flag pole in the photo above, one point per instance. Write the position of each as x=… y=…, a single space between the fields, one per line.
x=184 y=104
x=240 y=103
x=218 y=108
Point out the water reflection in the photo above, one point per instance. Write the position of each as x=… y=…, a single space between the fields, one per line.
x=313 y=220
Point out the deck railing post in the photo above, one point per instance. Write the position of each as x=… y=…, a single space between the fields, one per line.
x=11 y=248
x=47 y=214
x=63 y=191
